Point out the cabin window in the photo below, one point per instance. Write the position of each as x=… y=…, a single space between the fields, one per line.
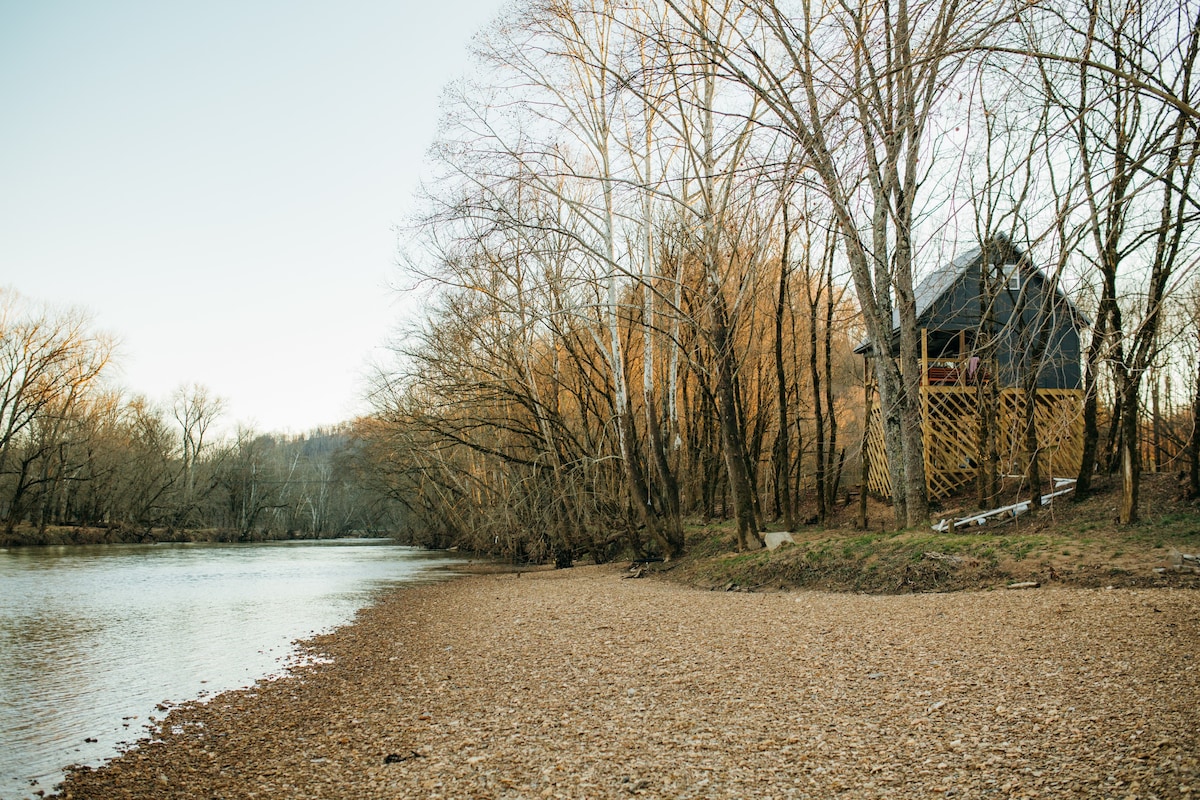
x=1013 y=275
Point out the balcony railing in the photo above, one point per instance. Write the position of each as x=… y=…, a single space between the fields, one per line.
x=969 y=371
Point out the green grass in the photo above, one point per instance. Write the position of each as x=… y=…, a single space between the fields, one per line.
x=1021 y=547
x=1072 y=542
x=1174 y=528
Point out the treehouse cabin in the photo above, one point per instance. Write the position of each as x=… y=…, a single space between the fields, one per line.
x=983 y=327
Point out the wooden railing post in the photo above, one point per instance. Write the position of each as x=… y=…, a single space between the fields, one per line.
x=924 y=356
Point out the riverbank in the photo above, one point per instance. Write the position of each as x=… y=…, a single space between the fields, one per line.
x=63 y=535
x=1070 y=544
x=578 y=683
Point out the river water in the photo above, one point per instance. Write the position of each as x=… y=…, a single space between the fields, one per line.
x=93 y=639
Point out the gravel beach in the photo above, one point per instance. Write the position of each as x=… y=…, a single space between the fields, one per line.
x=580 y=684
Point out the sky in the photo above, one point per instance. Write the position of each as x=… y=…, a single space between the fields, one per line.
x=218 y=184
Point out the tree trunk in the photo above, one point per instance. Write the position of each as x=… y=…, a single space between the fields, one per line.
x=17 y=499
x=667 y=486
x=1116 y=432
x=1091 y=389
x=783 y=458
x=1031 y=445
x=1156 y=422
x=1193 y=447
x=731 y=435
x=733 y=443
x=1091 y=437
x=1128 y=452
x=672 y=522
x=814 y=377
x=890 y=417
x=831 y=415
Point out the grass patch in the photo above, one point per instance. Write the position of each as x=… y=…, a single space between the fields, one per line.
x=1070 y=543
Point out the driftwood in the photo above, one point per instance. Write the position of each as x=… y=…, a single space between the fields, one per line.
x=1006 y=513
x=396 y=758
x=1024 y=585
x=1184 y=562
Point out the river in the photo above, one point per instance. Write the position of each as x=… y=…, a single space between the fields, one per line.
x=96 y=641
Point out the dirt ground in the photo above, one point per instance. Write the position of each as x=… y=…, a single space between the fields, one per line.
x=580 y=683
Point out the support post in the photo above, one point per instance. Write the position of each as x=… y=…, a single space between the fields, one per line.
x=924 y=356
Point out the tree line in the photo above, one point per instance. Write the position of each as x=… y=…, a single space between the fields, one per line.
x=655 y=232
x=82 y=461
x=657 y=228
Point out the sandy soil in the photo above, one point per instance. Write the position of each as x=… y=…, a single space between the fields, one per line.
x=580 y=684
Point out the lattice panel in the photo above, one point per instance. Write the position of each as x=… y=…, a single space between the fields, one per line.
x=1059 y=421
x=1063 y=429
x=951 y=425
x=879 y=481
x=951 y=420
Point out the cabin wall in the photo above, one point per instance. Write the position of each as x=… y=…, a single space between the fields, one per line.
x=1015 y=316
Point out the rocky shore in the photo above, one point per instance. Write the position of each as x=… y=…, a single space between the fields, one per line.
x=579 y=684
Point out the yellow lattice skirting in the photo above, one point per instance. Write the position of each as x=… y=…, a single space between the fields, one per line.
x=951 y=424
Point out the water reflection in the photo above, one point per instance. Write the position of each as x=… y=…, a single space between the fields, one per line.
x=93 y=638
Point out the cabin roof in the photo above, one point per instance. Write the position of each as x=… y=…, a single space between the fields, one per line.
x=937 y=283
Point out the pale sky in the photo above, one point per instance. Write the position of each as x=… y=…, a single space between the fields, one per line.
x=218 y=181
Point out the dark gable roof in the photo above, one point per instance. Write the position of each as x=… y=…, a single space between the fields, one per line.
x=937 y=283
x=933 y=286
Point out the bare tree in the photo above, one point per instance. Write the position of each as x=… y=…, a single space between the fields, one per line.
x=195 y=409
x=1137 y=152
x=1192 y=447
x=48 y=361
x=856 y=85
